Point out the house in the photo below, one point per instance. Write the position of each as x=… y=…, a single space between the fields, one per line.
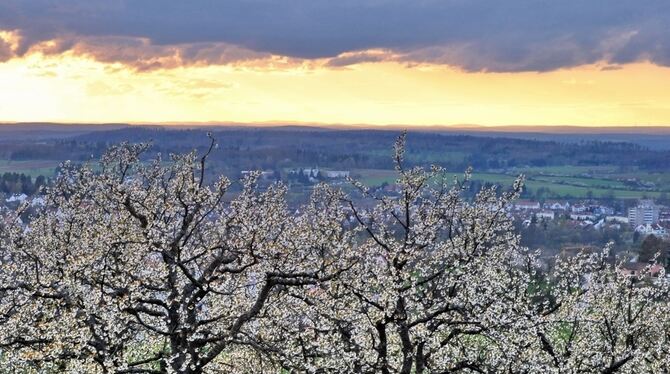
x=545 y=214
x=315 y=173
x=17 y=198
x=333 y=174
x=639 y=269
x=579 y=208
x=655 y=229
x=38 y=201
x=526 y=205
x=585 y=223
x=556 y=205
x=603 y=210
x=308 y=172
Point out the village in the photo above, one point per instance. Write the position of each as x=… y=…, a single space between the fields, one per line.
x=640 y=234
x=645 y=218
x=639 y=230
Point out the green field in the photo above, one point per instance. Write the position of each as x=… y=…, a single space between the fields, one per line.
x=557 y=181
x=566 y=170
x=374 y=177
x=571 y=184
x=582 y=182
x=33 y=168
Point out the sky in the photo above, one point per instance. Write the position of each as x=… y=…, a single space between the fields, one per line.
x=374 y=62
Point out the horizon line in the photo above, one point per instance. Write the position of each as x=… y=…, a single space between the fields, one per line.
x=560 y=128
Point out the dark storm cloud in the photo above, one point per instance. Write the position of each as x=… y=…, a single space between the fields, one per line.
x=496 y=35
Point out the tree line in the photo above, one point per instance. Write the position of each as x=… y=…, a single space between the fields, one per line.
x=277 y=148
x=19 y=183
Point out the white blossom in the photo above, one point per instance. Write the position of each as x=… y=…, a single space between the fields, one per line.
x=142 y=267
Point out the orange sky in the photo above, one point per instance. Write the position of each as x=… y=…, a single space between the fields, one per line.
x=73 y=88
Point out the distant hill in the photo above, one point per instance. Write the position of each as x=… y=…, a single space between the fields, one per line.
x=653 y=137
x=38 y=130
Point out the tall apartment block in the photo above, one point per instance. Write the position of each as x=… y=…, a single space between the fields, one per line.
x=646 y=212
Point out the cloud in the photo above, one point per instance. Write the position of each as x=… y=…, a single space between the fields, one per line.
x=8 y=45
x=611 y=67
x=5 y=51
x=140 y=53
x=353 y=58
x=476 y=35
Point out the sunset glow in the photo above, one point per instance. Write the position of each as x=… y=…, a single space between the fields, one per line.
x=386 y=62
x=77 y=89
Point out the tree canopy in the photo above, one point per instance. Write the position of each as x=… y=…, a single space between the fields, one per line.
x=142 y=267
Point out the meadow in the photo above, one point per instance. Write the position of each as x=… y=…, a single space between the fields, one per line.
x=569 y=183
x=33 y=168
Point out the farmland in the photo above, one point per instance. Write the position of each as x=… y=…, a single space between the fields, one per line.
x=552 y=169
x=32 y=168
x=570 y=185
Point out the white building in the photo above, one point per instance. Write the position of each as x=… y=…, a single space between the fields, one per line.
x=545 y=214
x=579 y=208
x=646 y=212
x=654 y=229
x=38 y=201
x=18 y=197
x=556 y=205
x=603 y=210
x=335 y=173
x=526 y=205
